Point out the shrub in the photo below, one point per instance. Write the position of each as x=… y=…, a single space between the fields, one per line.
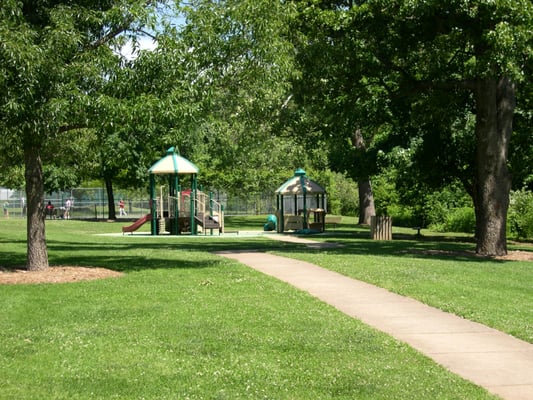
x=402 y=216
x=343 y=195
x=461 y=219
x=520 y=216
x=439 y=206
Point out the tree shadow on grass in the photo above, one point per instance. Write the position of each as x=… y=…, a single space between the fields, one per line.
x=124 y=253
x=402 y=246
x=143 y=254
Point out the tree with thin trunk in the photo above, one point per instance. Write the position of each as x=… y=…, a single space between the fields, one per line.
x=346 y=108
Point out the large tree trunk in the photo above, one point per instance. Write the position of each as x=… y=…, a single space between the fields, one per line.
x=366 y=197
x=37 y=254
x=495 y=102
x=112 y=214
x=366 y=202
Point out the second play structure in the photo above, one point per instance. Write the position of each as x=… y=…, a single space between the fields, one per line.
x=177 y=206
x=301 y=204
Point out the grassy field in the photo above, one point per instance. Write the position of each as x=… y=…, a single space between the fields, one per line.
x=183 y=323
x=438 y=271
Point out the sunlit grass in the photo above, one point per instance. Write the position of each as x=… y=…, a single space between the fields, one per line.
x=437 y=269
x=185 y=324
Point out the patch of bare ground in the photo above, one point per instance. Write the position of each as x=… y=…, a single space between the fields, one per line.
x=55 y=274
x=518 y=256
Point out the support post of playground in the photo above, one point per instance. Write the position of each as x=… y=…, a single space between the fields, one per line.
x=168 y=212
x=153 y=206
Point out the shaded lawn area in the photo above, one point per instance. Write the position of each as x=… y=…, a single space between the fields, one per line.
x=183 y=323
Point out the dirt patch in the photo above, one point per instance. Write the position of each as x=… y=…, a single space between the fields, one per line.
x=57 y=274
x=517 y=256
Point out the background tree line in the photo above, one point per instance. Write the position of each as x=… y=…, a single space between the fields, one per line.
x=409 y=96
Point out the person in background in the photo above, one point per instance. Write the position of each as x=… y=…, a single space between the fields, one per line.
x=6 y=209
x=121 y=208
x=68 y=204
x=50 y=210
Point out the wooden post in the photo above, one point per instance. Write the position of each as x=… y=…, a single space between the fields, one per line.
x=381 y=227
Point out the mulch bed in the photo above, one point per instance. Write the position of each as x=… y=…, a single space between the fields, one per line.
x=55 y=274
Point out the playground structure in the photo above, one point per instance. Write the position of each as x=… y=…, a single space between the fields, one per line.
x=173 y=209
x=301 y=205
x=137 y=224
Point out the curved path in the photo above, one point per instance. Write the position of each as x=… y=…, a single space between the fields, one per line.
x=489 y=358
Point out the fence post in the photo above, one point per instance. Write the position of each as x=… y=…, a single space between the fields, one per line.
x=381 y=227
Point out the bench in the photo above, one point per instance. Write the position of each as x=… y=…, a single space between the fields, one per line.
x=333 y=220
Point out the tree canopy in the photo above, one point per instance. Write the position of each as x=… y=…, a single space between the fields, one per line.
x=53 y=60
x=250 y=89
x=239 y=61
x=442 y=76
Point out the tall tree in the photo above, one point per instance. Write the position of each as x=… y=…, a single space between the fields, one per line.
x=132 y=122
x=475 y=51
x=51 y=55
x=239 y=61
x=474 y=54
x=349 y=109
x=367 y=209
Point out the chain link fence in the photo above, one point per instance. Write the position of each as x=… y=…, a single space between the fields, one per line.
x=91 y=203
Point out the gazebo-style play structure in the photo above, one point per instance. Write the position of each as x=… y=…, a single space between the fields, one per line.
x=179 y=207
x=301 y=204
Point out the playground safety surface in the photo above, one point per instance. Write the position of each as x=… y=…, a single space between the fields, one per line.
x=489 y=358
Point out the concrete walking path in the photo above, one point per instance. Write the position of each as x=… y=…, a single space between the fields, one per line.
x=489 y=358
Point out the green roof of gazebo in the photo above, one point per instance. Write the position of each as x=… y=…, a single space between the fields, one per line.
x=173 y=163
x=300 y=184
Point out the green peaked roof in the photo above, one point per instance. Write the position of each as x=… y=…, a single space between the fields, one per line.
x=173 y=163
x=300 y=184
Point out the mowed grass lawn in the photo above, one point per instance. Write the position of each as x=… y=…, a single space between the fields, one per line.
x=183 y=323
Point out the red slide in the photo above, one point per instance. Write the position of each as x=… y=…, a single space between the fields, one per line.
x=137 y=224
